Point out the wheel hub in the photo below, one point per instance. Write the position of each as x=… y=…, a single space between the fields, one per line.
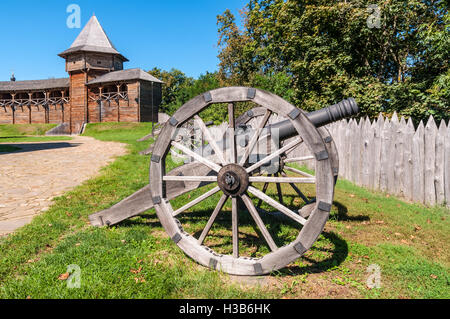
x=233 y=180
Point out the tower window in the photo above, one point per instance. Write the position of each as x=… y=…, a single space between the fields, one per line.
x=99 y=62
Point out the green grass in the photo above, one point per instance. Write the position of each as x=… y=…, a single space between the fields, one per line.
x=136 y=259
x=19 y=133
x=24 y=129
x=23 y=139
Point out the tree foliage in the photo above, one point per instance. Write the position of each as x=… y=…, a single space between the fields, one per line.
x=389 y=55
x=178 y=88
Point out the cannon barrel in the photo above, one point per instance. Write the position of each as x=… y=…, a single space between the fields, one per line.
x=285 y=129
x=333 y=113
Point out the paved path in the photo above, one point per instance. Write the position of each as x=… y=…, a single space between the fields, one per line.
x=32 y=176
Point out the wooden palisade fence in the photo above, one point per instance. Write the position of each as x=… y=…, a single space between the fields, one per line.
x=389 y=155
x=392 y=156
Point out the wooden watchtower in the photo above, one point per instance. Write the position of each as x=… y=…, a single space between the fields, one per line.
x=98 y=88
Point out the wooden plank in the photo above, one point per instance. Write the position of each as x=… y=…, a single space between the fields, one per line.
x=372 y=154
x=392 y=155
x=418 y=157
x=408 y=160
x=385 y=149
x=430 y=161
x=355 y=151
x=439 y=173
x=342 y=128
x=377 y=152
x=399 y=169
x=141 y=201
x=367 y=148
x=447 y=165
x=359 y=151
x=134 y=204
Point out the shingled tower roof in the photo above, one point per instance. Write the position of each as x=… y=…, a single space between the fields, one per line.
x=92 y=39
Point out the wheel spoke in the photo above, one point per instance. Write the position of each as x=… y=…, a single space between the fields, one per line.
x=280 y=196
x=251 y=208
x=299 y=159
x=211 y=140
x=297 y=190
x=277 y=205
x=196 y=156
x=255 y=137
x=211 y=220
x=297 y=171
x=181 y=178
x=266 y=179
x=197 y=200
x=235 y=226
x=280 y=151
x=264 y=190
x=232 y=137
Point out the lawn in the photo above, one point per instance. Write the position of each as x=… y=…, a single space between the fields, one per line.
x=136 y=259
x=20 y=133
x=24 y=129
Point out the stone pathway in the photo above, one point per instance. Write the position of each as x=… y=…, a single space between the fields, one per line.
x=40 y=171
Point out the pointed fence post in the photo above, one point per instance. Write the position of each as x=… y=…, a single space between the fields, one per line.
x=385 y=150
x=367 y=150
x=418 y=156
x=377 y=151
x=439 y=172
x=408 y=160
x=430 y=161
x=447 y=165
x=399 y=169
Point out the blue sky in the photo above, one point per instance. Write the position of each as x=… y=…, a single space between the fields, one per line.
x=167 y=34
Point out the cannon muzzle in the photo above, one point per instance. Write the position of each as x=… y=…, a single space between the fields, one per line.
x=336 y=112
x=333 y=113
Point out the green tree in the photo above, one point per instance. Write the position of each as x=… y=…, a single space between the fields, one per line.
x=179 y=88
x=390 y=57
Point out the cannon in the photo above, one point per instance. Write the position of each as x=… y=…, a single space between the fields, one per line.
x=243 y=179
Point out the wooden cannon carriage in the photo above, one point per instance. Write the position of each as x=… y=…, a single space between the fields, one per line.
x=236 y=169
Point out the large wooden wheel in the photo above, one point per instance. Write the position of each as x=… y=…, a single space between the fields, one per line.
x=229 y=177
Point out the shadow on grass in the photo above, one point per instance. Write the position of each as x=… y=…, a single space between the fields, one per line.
x=32 y=147
x=336 y=250
x=342 y=214
x=338 y=254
